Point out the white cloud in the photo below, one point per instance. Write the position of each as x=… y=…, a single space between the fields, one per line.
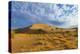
x=50 y=12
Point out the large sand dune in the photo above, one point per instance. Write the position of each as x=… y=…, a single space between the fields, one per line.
x=42 y=37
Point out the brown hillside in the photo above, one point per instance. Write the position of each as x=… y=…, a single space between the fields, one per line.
x=42 y=37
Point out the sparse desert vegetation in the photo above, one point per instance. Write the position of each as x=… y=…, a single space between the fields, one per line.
x=43 y=38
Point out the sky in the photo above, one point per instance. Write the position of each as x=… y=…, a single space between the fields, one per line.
x=24 y=14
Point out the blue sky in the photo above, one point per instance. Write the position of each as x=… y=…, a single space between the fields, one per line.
x=27 y=13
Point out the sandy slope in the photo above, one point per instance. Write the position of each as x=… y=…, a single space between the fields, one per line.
x=52 y=39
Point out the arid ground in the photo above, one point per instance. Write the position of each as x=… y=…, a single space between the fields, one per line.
x=42 y=37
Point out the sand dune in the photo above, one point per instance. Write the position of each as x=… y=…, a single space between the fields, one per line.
x=42 y=37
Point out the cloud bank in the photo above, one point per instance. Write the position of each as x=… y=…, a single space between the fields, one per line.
x=59 y=15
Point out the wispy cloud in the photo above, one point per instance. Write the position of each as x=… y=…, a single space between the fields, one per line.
x=60 y=15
